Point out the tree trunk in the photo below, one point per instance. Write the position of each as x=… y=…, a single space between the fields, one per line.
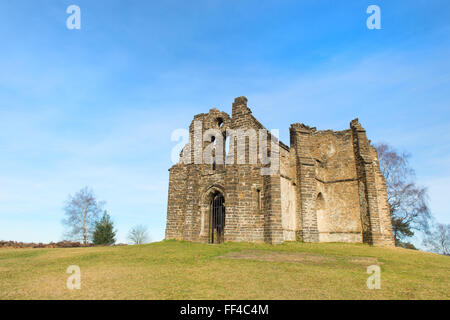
x=84 y=226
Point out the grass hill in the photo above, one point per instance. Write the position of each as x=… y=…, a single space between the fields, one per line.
x=184 y=270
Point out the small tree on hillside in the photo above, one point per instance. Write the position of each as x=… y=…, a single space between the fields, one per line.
x=104 y=233
x=81 y=211
x=138 y=235
x=438 y=240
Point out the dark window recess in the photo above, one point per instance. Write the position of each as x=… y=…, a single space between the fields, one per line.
x=217 y=218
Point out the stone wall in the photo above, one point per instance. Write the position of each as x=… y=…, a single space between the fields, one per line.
x=338 y=218
x=288 y=190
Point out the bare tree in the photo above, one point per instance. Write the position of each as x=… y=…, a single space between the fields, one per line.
x=82 y=211
x=438 y=240
x=138 y=235
x=407 y=201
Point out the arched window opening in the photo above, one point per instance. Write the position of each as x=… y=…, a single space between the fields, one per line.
x=226 y=148
x=320 y=202
x=259 y=199
x=321 y=215
x=214 y=142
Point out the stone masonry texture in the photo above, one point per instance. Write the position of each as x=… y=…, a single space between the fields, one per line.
x=328 y=188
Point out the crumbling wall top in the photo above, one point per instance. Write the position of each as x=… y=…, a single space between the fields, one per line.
x=303 y=128
x=239 y=101
x=354 y=124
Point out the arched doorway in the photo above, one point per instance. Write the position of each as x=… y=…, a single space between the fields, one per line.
x=216 y=218
x=322 y=217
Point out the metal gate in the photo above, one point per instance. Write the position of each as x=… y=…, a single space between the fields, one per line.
x=216 y=218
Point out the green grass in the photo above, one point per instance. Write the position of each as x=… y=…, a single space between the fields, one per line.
x=185 y=270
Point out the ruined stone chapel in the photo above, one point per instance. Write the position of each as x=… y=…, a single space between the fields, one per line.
x=328 y=186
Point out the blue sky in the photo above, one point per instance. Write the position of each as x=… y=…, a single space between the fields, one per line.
x=96 y=107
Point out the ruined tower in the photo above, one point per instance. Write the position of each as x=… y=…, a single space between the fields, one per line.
x=325 y=187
